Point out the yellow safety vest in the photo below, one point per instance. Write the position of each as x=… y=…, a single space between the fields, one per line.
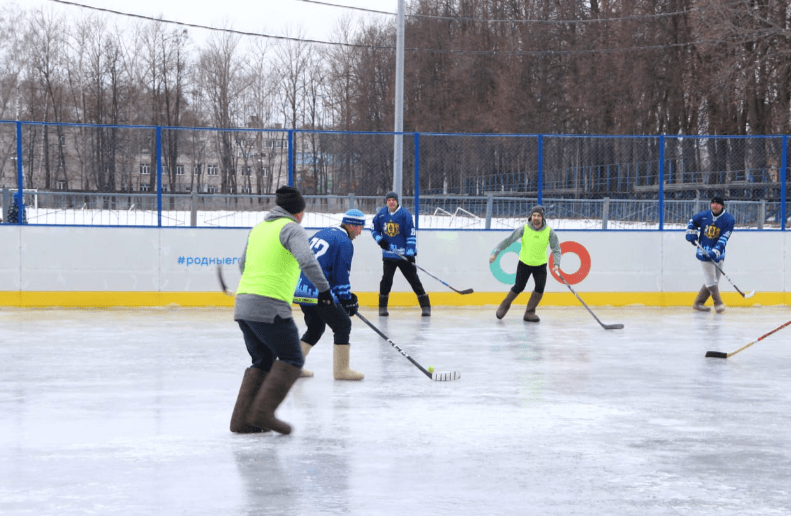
x=534 y=246
x=269 y=268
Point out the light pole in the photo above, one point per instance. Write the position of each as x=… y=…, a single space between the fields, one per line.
x=398 y=138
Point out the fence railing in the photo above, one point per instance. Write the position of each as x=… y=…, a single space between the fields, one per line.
x=81 y=174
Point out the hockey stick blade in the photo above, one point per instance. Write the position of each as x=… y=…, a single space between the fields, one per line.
x=749 y=295
x=716 y=354
x=618 y=326
x=445 y=377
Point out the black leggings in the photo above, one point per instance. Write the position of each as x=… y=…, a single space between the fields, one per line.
x=409 y=271
x=523 y=272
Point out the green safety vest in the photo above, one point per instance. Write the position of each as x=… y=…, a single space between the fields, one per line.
x=269 y=268
x=534 y=246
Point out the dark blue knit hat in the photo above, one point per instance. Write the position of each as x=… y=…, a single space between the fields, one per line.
x=290 y=199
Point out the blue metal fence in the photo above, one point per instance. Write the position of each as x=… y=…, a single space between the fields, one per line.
x=79 y=174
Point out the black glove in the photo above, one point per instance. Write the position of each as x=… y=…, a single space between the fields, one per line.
x=410 y=259
x=325 y=298
x=350 y=305
x=384 y=245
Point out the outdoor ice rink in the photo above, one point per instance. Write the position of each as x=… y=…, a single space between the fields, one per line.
x=126 y=412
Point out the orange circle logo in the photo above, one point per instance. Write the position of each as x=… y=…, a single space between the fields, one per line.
x=585 y=262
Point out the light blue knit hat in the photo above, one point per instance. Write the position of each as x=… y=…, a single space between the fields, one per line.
x=354 y=218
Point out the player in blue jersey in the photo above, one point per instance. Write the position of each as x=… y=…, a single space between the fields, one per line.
x=394 y=231
x=711 y=229
x=334 y=251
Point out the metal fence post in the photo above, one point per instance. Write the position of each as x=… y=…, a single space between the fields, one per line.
x=540 y=169
x=661 y=182
x=194 y=208
x=6 y=204
x=417 y=180
x=489 y=208
x=761 y=213
x=351 y=201
x=605 y=212
x=784 y=184
x=159 y=176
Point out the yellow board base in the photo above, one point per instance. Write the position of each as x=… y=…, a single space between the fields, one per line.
x=371 y=299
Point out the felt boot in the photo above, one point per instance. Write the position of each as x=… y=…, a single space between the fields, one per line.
x=251 y=382
x=425 y=305
x=305 y=350
x=383 y=305
x=703 y=296
x=719 y=306
x=271 y=394
x=530 y=311
x=506 y=304
x=340 y=364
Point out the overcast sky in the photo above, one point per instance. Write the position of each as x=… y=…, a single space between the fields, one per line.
x=273 y=17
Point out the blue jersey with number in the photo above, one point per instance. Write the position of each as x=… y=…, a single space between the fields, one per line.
x=334 y=251
x=713 y=232
x=397 y=229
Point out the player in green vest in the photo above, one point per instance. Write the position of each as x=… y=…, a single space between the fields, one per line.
x=535 y=237
x=277 y=249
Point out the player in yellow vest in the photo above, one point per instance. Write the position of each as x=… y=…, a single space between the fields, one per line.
x=535 y=237
x=277 y=249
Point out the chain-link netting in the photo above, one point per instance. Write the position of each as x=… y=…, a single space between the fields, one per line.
x=150 y=176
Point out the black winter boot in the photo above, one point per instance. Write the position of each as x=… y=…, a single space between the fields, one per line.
x=425 y=305
x=251 y=383
x=383 y=305
x=271 y=394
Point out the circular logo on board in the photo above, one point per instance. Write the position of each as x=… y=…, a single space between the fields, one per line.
x=565 y=248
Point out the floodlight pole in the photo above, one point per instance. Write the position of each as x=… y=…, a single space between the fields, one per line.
x=398 y=137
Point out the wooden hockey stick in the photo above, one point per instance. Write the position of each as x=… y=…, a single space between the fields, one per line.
x=720 y=354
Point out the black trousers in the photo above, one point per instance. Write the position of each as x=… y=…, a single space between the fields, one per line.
x=407 y=269
x=317 y=318
x=523 y=272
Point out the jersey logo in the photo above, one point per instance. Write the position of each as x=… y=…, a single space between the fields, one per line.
x=712 y=232
x=391 y=229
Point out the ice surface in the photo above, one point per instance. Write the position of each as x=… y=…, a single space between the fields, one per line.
x=127 y=412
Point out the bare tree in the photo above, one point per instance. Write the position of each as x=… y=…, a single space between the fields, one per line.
x=222 y=73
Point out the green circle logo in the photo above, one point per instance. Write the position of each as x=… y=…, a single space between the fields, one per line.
x=497 y=270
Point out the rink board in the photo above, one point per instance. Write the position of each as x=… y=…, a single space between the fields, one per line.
x=44 y=266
